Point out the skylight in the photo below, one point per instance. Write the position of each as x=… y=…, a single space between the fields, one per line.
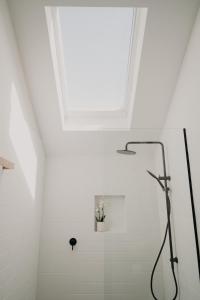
x=96 y=47
x=96 y=53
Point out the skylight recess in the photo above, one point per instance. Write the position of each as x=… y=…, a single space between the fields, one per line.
x=96 y=55
x=96 y=46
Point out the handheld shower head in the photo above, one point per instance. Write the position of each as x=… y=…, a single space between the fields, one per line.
x=154 y=176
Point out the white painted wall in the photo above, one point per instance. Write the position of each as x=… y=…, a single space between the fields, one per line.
x=184 y=112
x=103 y=265
x=21 y=188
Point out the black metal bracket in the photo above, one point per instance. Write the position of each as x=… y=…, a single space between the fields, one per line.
x=175 y=260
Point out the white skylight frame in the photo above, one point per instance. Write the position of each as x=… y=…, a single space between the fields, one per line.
x=96 y=119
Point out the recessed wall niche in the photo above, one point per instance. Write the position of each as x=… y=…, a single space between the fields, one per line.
x=114 y=210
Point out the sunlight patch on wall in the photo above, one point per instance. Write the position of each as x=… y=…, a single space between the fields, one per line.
x=22 y=142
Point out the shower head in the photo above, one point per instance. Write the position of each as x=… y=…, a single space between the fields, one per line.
x=126 y=151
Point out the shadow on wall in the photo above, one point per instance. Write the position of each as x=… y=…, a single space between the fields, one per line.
x=22 y=142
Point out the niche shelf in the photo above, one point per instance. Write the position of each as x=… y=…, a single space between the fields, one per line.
x=6 y=164
x=114 y=208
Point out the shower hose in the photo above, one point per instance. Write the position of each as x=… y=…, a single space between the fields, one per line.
x=155 y=265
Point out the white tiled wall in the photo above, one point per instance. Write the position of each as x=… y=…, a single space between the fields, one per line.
x=103 y=265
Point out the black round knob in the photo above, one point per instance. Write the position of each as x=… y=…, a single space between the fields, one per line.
x=72 y=242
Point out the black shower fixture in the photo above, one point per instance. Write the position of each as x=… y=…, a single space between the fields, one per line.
x=165 y=188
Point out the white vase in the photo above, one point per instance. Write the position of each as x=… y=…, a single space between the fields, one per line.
x=100 y=226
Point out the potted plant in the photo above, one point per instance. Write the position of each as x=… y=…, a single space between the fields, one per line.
x=100 y=217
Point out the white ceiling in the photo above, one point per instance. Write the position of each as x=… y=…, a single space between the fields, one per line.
x=169 y=25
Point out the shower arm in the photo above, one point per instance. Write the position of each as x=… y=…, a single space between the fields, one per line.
x=165 y=178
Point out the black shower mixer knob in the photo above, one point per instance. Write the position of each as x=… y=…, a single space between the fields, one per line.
x=72 y=242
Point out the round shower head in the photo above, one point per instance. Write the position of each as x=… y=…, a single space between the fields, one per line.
x=126 y=151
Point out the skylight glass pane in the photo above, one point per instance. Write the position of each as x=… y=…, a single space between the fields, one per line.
x=96 y=47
